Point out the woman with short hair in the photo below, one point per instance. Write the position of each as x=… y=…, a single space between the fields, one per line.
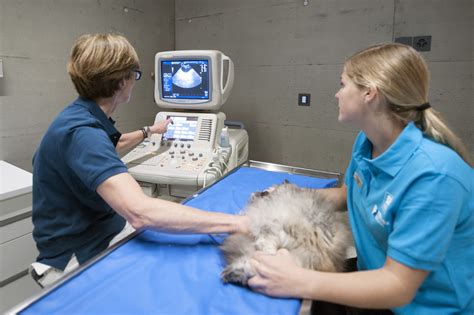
x=83 y=194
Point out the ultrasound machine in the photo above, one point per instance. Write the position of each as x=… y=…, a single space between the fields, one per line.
x=192 y=85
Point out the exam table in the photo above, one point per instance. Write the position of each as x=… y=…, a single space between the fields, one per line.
x=157 y=273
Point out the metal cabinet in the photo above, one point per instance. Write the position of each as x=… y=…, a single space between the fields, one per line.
x=17 y=247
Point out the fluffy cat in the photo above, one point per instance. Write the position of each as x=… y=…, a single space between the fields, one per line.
x=301 y=220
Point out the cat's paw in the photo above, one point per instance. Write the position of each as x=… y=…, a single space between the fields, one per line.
x=268 y=245
x=236 y=275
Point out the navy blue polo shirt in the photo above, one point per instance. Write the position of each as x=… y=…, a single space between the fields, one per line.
x=75 y=156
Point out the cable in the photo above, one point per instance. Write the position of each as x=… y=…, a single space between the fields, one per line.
x=205 y=176
x=225 y=156
x=216 y=172
x=215 y=238
x=225 y=164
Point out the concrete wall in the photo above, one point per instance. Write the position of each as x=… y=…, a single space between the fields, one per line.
x=35 y=41
x=283 y=47
x=280 y=48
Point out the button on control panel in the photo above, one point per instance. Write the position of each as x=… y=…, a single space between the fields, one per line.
x=186 y=158
x=171 y=155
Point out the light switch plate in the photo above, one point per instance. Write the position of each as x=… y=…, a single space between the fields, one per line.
x=304 y=99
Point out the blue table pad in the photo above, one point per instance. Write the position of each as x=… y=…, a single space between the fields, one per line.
x=160 y=273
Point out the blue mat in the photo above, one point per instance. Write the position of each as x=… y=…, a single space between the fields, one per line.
x=158 y=273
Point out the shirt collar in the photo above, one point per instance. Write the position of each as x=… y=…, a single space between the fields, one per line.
x=97 y=112
x=393 y=159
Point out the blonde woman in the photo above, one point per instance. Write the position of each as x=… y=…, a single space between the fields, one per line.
x=83 y=194
x=409 y=193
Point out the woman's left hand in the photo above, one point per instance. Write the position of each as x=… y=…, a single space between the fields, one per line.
x=276 y=275
x=161 y=126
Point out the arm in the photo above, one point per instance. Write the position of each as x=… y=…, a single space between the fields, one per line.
x=125 y=196
x=338 y=196
x=129 y=140
x=392 y=285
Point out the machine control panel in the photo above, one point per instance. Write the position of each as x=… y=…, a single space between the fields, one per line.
x=182 y=154
x=170 y=155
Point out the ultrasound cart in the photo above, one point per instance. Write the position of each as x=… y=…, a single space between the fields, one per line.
x=157 y=273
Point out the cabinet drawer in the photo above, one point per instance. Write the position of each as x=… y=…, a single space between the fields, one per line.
x=17 y=255
x=16 y=229
x=13 y=204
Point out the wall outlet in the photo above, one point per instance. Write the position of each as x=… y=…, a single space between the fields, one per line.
x=406 y=40
x=422 y=43
x=304 y=99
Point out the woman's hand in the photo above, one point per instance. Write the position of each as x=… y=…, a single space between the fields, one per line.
x=276 y=275
x=161 y=126
x=243 y=224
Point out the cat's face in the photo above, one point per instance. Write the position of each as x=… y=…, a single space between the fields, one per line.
x=259 y=194
x=268 y=191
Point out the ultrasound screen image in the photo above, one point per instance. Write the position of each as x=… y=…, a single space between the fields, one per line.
x=185 y=79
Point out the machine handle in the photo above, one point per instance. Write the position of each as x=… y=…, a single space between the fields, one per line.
x=234 y=123
x=230 y=77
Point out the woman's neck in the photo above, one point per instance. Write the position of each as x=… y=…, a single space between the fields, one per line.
x=108 y=105
x=383 y=134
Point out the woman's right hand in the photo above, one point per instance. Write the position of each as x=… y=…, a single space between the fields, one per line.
x=276 y=275
x=161 y=126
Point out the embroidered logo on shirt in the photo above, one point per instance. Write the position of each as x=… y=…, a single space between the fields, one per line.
x=378 y=216
x=357 y=179
x=387 y=201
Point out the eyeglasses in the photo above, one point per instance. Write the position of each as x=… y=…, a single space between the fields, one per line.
x=138 y=74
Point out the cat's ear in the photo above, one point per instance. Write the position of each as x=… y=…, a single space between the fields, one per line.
x=263 y=193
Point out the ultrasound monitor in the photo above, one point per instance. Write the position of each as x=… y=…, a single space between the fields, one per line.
x=193 y=79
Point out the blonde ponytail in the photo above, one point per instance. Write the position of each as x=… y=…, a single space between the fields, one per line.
x=435 y=128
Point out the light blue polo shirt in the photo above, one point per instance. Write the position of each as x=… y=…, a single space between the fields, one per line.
x=415 y=204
